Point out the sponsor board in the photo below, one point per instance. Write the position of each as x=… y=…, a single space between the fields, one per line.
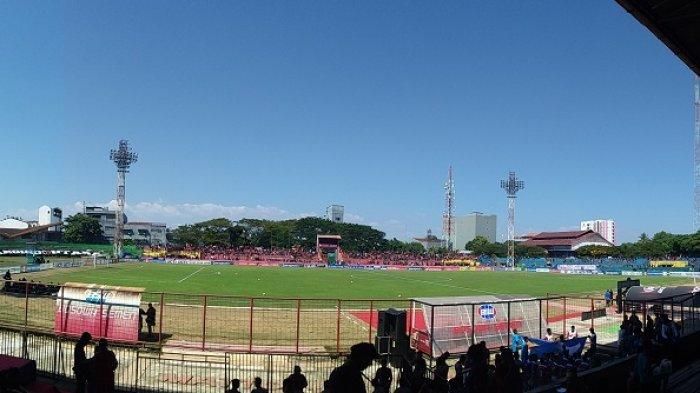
x=104 y=311
x=222 y=262
x=631 y=273
x=415 y=269
x=542 y=270
x=685 y=274
x=188 y=262
x=577 y=269
x=613 y=273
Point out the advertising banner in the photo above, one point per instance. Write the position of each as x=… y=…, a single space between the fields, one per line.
x=578 y=269
x=104 y=311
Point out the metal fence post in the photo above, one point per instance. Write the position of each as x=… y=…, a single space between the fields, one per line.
x=62 y=314
x=473 y=324
x=26 y=305
x=539 y=315
x=160 y=319
x=204 y=323
x=563 y=321
x=298 y=322
x=250 y=332
x=371 y=316
x=102 y=300
x=592 y=316
x=337 y=329
x=547 y=305
x=508 y=332
x=432 y=331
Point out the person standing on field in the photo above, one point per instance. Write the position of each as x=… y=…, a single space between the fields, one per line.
x=150 y=319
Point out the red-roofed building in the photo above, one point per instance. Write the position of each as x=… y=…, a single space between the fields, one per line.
x=565 y=244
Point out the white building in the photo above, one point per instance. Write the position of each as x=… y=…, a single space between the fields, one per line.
x=605 y=228
x=48 y=216
x=335 y=213
x=466 y=228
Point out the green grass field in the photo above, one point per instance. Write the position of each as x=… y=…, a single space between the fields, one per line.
x=331 y=283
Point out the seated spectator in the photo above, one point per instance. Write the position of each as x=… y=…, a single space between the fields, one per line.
x=550 y=336
x=571 y=334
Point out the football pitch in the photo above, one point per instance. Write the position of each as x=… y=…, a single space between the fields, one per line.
x=336 y=283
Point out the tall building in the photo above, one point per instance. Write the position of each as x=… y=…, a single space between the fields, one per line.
x=146 y=233
x=335 y=213
x=468 y=227
x=106 y=217
x=605 y=228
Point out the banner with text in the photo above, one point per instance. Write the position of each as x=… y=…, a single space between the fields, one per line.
x=103 y=311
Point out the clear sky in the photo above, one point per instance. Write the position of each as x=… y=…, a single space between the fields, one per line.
x=276 y=109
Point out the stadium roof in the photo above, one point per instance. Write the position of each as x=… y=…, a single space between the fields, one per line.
x=573 y=239
x=675 y=22
x=9 y=233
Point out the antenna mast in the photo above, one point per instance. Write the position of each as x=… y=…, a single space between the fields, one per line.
x=448 y=215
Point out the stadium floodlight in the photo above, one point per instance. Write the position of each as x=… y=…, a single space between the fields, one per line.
x=123 y=157
x=511 y=187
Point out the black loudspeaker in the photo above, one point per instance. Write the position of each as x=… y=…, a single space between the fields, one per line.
x=391 y=332
x=391 y=323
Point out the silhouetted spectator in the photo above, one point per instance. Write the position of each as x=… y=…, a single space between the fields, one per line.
x=150 y=319
x=235 y=384
x=348 y=377
x=7 y=276
x=418 y=374
x=649 y=329
x=382 y=378
x=258 y=386
x=440 y=381
x=80 y=364
x=593 y=338
x=101 y=379
x=295 y=382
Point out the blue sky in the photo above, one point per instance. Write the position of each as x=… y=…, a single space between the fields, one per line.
x=276 y=109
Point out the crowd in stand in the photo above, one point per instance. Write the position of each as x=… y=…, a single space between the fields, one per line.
x=274 y=255
x=23 y=287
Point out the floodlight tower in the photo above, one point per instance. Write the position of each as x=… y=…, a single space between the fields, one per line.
x=511 y=186
x=123 y=157
x=696 y=169
x=448 y=215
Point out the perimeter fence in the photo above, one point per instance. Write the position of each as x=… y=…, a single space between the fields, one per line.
x=284 y=325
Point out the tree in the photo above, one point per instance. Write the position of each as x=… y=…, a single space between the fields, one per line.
x=81 y=228
x=479 y=246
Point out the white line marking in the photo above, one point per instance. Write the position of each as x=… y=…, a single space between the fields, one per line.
x=192 y=274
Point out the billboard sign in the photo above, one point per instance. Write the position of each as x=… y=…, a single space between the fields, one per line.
x=104 y=311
